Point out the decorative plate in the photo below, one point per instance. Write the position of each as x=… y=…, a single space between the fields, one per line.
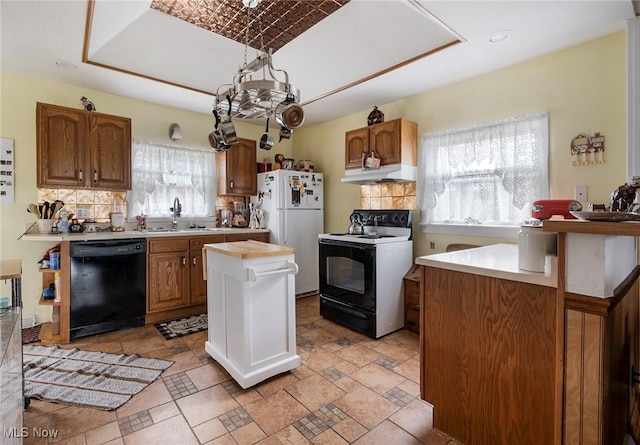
x=606 y=216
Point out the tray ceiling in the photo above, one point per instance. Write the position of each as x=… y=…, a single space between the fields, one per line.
x=343 y=56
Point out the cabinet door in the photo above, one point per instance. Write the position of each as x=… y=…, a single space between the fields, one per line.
x=356 y=143
x=110 y=151
x=60 y=146
x=168 y=280
x=237 y=169
x=198 y=283
x=385 y=140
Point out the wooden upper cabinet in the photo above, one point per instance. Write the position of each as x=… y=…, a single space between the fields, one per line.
x=394 y=142
x=110 y=157
x=237 y=169
x=60 y=140
x=356 y=143
x=82 y=149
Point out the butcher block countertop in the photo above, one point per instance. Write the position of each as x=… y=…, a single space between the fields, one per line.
x=249 y=249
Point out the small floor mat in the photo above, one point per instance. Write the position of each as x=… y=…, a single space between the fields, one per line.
x=183 y=326
x=31 y=335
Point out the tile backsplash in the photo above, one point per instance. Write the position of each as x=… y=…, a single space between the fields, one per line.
x=393 y=196
x=99 y=202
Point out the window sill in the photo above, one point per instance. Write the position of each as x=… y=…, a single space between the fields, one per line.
x=480 y=230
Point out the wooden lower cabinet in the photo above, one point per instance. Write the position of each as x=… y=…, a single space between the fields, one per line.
x=487 y=358
x=168 y=274
x=258 y=236
x=196 y=275
x=490 y=349
x=175 y=278
x=601 y=347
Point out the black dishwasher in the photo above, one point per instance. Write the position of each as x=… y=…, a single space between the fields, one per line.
x=108 y=285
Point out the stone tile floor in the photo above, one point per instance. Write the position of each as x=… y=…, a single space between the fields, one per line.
x=348 y=389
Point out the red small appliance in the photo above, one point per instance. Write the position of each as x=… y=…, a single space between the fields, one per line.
x=546 y=208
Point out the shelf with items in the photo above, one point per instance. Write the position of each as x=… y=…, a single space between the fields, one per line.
x=57 y=331
x=44 y=302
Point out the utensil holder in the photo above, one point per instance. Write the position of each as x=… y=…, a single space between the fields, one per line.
x=44 y=225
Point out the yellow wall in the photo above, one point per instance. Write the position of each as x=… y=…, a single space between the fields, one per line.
x=19 y=95
x=582 y=88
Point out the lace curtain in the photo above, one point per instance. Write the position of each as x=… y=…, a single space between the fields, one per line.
x=489 y=173
x=161 y=173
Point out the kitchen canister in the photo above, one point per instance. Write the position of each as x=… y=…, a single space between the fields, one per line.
x=534 y=245
x=117 y=222
x=44 y=225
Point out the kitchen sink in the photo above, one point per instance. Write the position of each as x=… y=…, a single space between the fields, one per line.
x=160 y=230
x=187 y=229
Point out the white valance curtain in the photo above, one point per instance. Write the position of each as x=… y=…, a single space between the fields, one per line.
x=489 y=173
x=161 y=173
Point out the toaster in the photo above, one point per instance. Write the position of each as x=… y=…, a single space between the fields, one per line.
x=546 y=208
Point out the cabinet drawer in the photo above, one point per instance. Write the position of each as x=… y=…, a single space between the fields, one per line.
x=412 y=317
x=260 y=236
x=168 y=245
x=196 y=243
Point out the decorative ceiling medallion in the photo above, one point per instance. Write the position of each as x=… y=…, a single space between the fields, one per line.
x=279 y=21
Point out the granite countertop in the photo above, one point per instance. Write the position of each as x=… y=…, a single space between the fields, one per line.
x=496 y=260
x=249 y=249
x=150 y=233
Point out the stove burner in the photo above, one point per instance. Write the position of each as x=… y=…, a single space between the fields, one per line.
x=363 y=236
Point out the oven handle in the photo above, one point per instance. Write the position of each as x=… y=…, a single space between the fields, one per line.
x=252 y=275
x=350 y=244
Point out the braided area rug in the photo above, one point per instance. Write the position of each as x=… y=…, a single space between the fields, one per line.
x=86 y=378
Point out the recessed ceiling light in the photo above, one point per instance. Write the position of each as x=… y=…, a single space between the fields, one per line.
x=499 y=36
x=65 y=64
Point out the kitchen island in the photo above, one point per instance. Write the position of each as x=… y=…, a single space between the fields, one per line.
x=510 y=356
x=251 y=309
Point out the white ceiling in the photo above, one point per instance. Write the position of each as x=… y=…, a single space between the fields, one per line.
x=334 y=64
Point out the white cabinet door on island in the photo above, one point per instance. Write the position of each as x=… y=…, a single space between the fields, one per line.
x=251 y=309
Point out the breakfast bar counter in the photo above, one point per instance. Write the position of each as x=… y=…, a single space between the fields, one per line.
x=510 y=356
x=488 y=346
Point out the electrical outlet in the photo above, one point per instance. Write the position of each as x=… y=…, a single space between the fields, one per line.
x=580 y=193
x=432 y=245
x=83 y=212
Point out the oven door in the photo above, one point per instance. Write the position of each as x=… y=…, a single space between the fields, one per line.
x=347 y=273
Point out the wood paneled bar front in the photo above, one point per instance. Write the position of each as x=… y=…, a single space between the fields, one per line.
x=510 y=356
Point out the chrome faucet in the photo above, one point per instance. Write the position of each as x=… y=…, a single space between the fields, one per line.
x=176 y=209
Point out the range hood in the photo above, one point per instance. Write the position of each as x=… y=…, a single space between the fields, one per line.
x=384 y=174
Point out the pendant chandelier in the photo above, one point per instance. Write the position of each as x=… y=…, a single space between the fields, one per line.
x=259 y=90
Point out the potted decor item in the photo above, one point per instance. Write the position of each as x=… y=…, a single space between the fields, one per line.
x=375 y=117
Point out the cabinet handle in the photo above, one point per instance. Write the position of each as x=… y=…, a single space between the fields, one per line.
x=184 y=261
x=194 y=261
x=80 y=176
x=230 y=184
x=95 y=176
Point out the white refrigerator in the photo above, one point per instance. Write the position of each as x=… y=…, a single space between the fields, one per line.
x=292 y=203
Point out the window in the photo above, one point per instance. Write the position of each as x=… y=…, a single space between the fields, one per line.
x=163 y=172
x=488 y=174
